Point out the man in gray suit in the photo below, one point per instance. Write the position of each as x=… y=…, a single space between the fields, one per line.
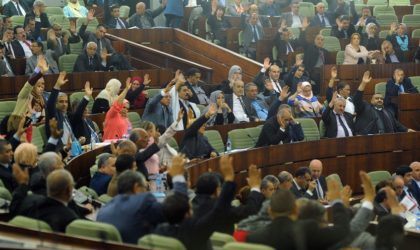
x=255 y=103
x=5 y=67
x=252 y=31
x=143 y=19
x=37 y=51
x=292 y=18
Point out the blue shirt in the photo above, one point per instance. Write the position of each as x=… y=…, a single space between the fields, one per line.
x=261 y=111
x=99 y=183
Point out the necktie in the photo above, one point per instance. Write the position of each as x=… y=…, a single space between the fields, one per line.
x=120 y=23
x=401 y=88
x=319 y=190
x=90 y=61
x=345 y=34
x=346 y=132
x=18 y=9
x=255 y=33
x=277 y=86
x=321 y=55
x=323 y=21
x=289 y=48
x=243 y=106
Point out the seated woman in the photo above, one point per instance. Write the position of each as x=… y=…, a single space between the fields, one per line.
x=106 y=97
x=218 y=25
x=235 y=73
x=38 y=102
x=195 y=144
x=136 y=96
x=152 y=164
x=116 y=124
x=370 y=38
x=398 y=37
x=305 y=103
x=74 y=9
x=224 y=113
x=355 y=53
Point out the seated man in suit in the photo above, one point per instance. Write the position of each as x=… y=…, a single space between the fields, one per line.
x=89 y=60
x=52 y=209
x=252 y=32
x=5 y=66
x=338 y=123
x=6 y=158
x=236 y=104
x=321 y=184
x=344 y=29
x=102 y=177
x=391 y=54
x=144 y=19
x=303 y=184
x=37 y=52
x=269 y=8
x=158 y=109
x=193 y=82
x=292 y=19
x=38 y=13
x=343 y=91
x=365 y=18
x=280 y=129
x=138 y=210
x=21 y=46
x=251 y=101
x=59 y=41
x=115 y=22
x=8 y=43
x=373 y=118
x=415 y=182
x=15 y=8
x=406 y=173
x=264 y=21
x=398 y=84
x=286 y=43
x=322 y=19
x=273 y=77
x=296 y=75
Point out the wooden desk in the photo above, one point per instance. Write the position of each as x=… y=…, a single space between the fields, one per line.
x=409 y=110
x=344 y=156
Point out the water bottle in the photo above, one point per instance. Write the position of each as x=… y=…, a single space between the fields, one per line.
x=228 y=145
x=92 y=141
x=418 y=221
x=33 y=117
x=158 y=182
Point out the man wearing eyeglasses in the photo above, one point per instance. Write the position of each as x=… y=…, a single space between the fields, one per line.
x=373 y=118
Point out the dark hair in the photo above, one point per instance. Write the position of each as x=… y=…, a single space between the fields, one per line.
x=403 y=170
x=208 y=183
x=103 y=159
x=344 y=18
x=100 y=26
x=123 y=162
x=114 y=6
x=389 y=233
x=3 y=144
x=341 y=85
x=382 y=184
x=127 y=180
x=380 y=196
x=282 y=201
x=191 y=72
x=17 y=27
x=313 y=210
x=175 y=207
x=38 y=43
x=302 y=171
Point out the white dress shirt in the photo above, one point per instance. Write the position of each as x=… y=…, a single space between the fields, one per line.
x=26 y=48
x=349 y=105
x=238 y=110
x=340 y=129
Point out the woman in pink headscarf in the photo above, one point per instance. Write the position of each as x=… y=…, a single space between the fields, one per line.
x=116 y=123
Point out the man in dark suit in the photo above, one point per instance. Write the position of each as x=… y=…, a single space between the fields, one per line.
x=251 y=101
x=16 y=8
x=322 y=19
x=192 y=230
x=38 y=14
x=398 y=84
x=303 y=185
x=343 y=91
x=292 y=18
x=21 y=46
x=344 y=29
x=52 y=209
x=236 y=104
x=286 y=44
x=391 y=54
x=406 y=173
x=89 y=60
x=415 y=182
x=144 y=19
x=281 y=128
x=199 y=96
x=273 y=77
x=115 y=22
x=269 y=8
x=158 y=109
x=373 y=118
x=338 y=123
x=6 y=158
x=252 y=31
x=320 y=191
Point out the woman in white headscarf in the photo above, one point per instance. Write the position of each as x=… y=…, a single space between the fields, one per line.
x=305 y=103
x=74 y=9
x=106 y=97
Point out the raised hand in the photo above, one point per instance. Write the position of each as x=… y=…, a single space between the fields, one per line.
x=299 y=61
x=169 y=86
x=367 y=186
x=212 y=110
x=147 y=79
x=88 y=89
x=333 y=99
x=180 y=115
x=267 y=63
x=54 y=131
x=72 y=26
x=268 y=85
x=346 y=193
x=366 y=77
x=42 y=64
x=61 y=79
x=392 y=200
x=128 y=83
x=333 y=192
x=178 y=165
x=284 y=93
x=305 y=23
x=226 y=168
x=254 y=176
x=334 y=73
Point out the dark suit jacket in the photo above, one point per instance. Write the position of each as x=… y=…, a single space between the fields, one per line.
x=271 y=133
x=288 y=17
x=248 y=104
x=373 y=43
x=82 y=64
x=311 y=54
x=194 y=97
x=78 y=124
x=53 y=212
x=392 y=90
x=112 y=23
x=301 y=193
x=323 y=183
x=88 y=36
x=281 y=45
x=400 y=55
x=6 y=176
x=415 y=190
x=316 y=21
x=340 y=33
x=248 y=33
x=9 y=9
x=135 y=20
x=249 y=110
x=330 y=121
x=366 y=117
x=45 y=23
x=154 y=112
x=18 y=49
x=194 y=144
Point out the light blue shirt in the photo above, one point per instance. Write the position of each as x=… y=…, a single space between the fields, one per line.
x=261 y=111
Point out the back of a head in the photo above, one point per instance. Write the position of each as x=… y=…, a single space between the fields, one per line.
x=175 y=207
x=312 y=210
x=302 y=171
x=58 y=183
x=403 y=170
x=282 y=202
x=26 y=153
x=103 y=159
x=284 y=176
x=127 y=180
x=48 y=162
x=127 y=147
x=389 y=233
x=123 y=162
x=208 y=183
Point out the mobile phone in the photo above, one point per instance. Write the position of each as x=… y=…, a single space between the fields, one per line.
x=28 y=121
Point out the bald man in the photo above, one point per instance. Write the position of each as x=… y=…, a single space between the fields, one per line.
x=321 y=184
x=144 y=19
x=338 y=123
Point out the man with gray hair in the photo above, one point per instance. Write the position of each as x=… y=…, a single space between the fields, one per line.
x=338 y=123
x=47 y=163
x=102 y=177
x=285 y=178
x=38 y=13
x=90 y=61
x=254 y=103
x=143 y=18
x=269 y=185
